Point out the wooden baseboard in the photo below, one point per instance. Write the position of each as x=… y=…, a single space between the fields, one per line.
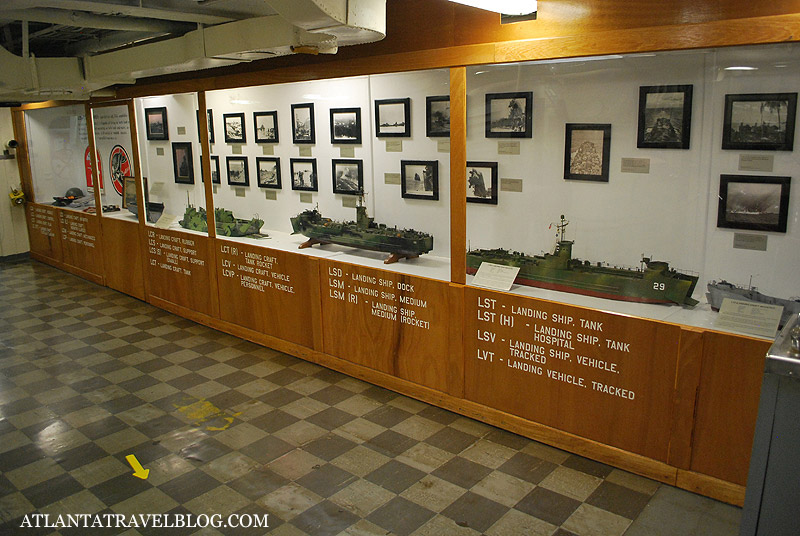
x=709 y=486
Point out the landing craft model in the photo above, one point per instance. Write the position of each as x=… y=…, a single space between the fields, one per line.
x=226 y=224
x=655 y=282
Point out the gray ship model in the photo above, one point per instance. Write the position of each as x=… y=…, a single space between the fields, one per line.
x=719 y=290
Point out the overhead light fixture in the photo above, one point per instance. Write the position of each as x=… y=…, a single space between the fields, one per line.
x=505 y=7
x=741 y=68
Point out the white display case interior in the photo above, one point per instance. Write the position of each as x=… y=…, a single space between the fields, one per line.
x=112 y=141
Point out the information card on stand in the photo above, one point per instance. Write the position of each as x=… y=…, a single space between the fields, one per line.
x=759 y=319
x=495 y=276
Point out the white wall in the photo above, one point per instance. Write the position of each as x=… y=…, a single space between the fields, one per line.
x=13 y=231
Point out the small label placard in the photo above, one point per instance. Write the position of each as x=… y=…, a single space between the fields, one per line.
x=239 y=192
x=349 y=201
x=166 y=220
x=391 y=178
x=756 y=162
x=510 y=185
x=758 y=319
x=635 y=165
x=268 y=149
x=750 y=241
x=495 y=276
x=305 y=150
x=236 y=149
x=306 y=197
x=347 y=151
x=507 y=147
x=394 y=146
x=214 y=188
x=443 y=146
x=157 y=188
x=272 y=195
x=181 y=131
x=159 y=151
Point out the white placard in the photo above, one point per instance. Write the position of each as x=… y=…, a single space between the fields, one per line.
x=495 y=276
x=304 y=150
x=348 y=151
x=756 y=162
x=166 y=220
x=268 y=150
x=758 y=319
x=443 y=146
x=394 y=146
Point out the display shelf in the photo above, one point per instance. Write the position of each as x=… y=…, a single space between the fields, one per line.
x=121 y=214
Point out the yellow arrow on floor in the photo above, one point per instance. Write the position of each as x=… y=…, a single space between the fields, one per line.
x=138 y=470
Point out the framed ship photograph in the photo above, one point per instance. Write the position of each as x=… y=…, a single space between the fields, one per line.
x=348 y=176
x=155 y=120
x=419 y=179
x=304 y=174
x=265 y=125
x=753 y=202
x=269 y=172
x=234 y=128
x=437 y=116
x=509 y=115
x=482 y=182
x=393 y=118
x=346 y=125
x=759 y=121
x=128 y=191
x=587 y=151
x=215 y=178
x=182 y=162
x=238 y=172
x=665 y=117
x=303 y=130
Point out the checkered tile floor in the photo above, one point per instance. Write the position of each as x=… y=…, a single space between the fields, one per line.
x=89 y=375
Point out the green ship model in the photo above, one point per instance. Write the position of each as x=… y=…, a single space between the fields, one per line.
x=363 y=233
x=226 y=224
x=655 y=282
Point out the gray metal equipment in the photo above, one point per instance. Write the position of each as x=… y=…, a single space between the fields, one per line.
x=772 y=499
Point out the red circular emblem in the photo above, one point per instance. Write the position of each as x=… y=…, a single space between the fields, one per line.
x=120 y=166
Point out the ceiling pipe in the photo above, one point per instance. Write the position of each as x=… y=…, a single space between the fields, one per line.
x=97 y=45
x=118 y=9
x=87 y=20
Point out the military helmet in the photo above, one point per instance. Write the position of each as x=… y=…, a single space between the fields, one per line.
x=74 y=192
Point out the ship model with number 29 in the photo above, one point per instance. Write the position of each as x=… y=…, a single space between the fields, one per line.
x=363 y=233
x=654 y=282
x=719 y=290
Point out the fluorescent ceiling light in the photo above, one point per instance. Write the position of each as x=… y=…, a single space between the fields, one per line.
x=741 y=68
x=506 y=7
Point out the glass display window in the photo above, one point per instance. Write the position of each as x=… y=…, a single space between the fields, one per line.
x=636 y=184
x=112 y=140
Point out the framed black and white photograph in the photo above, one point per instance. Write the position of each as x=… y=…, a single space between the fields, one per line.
x=754 y=203
x=215 y=178
x=269 y=172
x=304 y=174
x=182 y=162
x=419 y=179
x=346 y=125
x=234 y=128
x=759 y=121
x=393 y=118
x=509 y=115
x=156 y=123
x=587 y=152
x=265 y=125
x=238 y=172
x=437 y=116
x=348 y=176
x=482 y=182
x=128 y=191
x=665 y=117
x=303 y=130
x=210 y=126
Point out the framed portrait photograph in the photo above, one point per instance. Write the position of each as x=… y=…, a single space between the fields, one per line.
x=303 y=130
x=269 y=172
x=419 y=179
x=304 y=174
x=234 y=128
x=238 y=172
x=215 y=178
x=509 y=115
x=587 y=152
x=759 y=121
x=128 y=191
x=665 y=117
x=754 y=203
x=393 y=118
x=182 y=162
x=155 y=120
x=437 y=116
x=482 y=182
x=346 y=125
x=265 y=125
x=348 y=176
